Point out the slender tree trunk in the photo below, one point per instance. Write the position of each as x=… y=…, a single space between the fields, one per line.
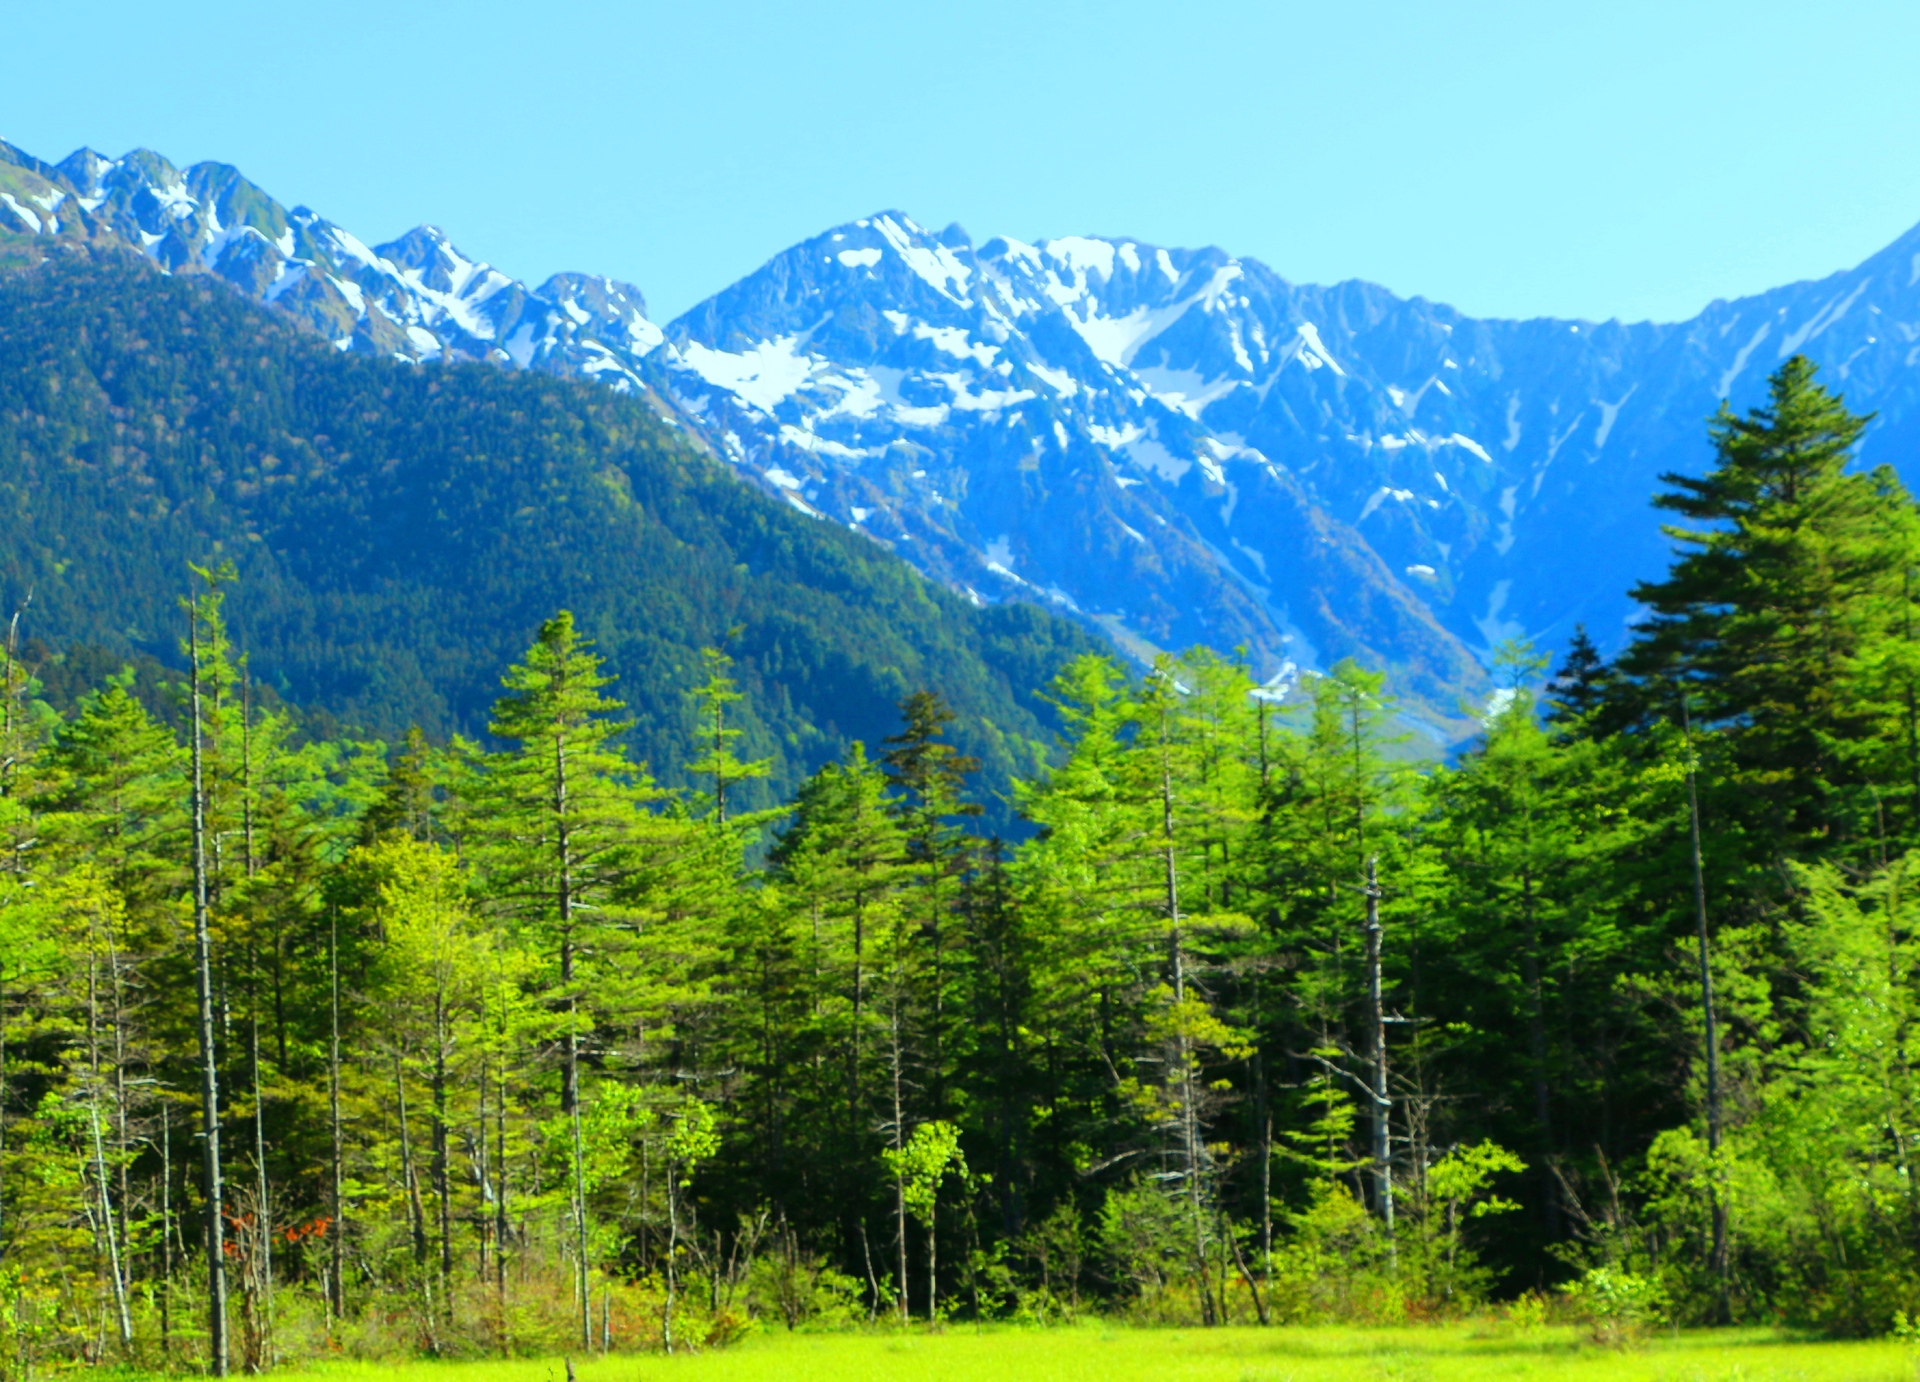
x=7 y=693
x=122 y=1139
x=108 y=1223
x=1537 y=1054
x=246 y=765
x=416 y=1207
x=337 y=1230
x=215 y=1189
x=719 y=759
x=502 y=1223
x=166 y=1228
x=483 y=1226
x=570 y=1076
x=410 y=1183
x=1191 y=1150
x=1377 y=1022
x=1710 y=1031
x=853 y=1033
x=442 y=1171
x=899 y=1145
x=673 y=1249
x=265 y=1220
x=1263 y=1112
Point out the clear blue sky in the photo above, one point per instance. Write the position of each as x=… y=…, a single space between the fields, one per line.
x=1587 y=159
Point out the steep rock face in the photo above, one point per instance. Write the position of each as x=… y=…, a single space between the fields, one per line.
x=1178 y=446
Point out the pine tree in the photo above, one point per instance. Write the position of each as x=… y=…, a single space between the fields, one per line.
x=558 y=823
x=1507 y=834
x=1781 y=583
x=716 y=760
x=930 y=775
x=408 y=804
x=1581 y=686
x=841 y=867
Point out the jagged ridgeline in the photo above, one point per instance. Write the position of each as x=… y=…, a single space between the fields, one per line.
x=401 y=529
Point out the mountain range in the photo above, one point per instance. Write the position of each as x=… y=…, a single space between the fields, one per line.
x=399 y=533
x=1175 y=446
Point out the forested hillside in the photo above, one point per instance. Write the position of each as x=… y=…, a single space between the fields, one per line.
x=306 y=1049
x=400 y=530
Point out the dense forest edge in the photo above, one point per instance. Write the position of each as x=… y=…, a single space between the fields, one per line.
x=313 y=1047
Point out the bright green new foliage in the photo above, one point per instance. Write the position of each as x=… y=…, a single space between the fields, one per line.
x=1260 y=1021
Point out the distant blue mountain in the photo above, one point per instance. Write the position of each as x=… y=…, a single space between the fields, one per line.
x=1177 y=445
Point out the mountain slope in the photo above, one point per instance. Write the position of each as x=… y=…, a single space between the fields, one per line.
x=1175 y=446
x=1365 y=474
x=414 y=298
x=981 y=410
x=400 y=531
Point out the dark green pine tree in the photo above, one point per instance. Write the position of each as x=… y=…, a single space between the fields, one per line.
x=408 y=803
x=717 y=762
x=1580 y=687
x=116 y=794
x=930 y=775
x=840 y=868
x=1784 y=576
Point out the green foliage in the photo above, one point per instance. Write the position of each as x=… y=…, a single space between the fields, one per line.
x=623 y=1060
x=1619 y=1303
x=401 y=531
x=931 y=1153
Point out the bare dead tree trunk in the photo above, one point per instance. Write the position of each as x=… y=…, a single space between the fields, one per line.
x=108 y=1223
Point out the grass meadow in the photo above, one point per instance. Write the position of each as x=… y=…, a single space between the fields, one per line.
x=1456 y=1353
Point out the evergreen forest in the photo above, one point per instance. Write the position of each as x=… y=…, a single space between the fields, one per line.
x=402 y=529
x=458 y=1045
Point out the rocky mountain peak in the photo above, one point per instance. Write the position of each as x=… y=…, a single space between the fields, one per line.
x=1177 y=445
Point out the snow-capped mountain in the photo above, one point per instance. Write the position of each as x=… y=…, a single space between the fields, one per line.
x=416 y=297
x=1178 y=445
x=1040 y=420
x=1188 y=448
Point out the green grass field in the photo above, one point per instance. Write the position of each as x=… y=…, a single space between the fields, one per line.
x=1464 y=1353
